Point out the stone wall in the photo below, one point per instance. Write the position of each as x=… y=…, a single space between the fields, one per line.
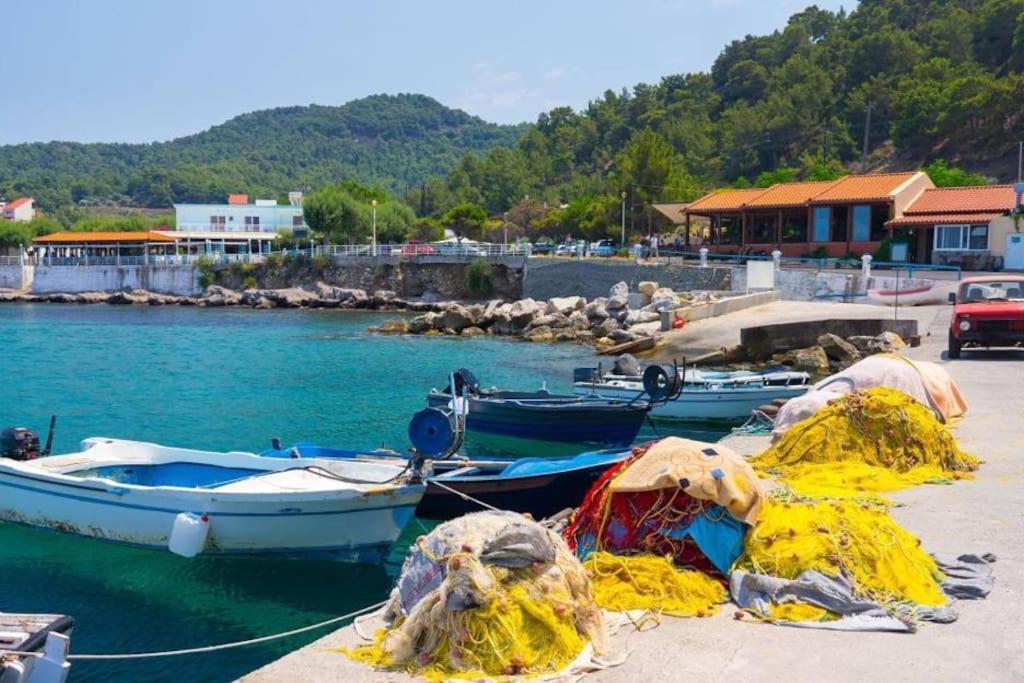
x=180 y=280
x=798 y=284
x=16 y=276
x=545 y=278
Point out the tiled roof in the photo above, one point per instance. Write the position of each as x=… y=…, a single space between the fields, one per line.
x=17 y=202
x=998 y=198
x=862 y=188
x=943 y=218
x=725 y=200
x=789 y=194
x=80 y=237
x=238 y=199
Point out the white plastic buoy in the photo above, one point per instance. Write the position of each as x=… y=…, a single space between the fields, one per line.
x=188 y=536
x=459 y=406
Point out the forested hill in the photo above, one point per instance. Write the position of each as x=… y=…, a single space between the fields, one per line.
x=387 y=140
x=942 y=79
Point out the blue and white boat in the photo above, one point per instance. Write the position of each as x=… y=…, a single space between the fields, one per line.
x=200 y=502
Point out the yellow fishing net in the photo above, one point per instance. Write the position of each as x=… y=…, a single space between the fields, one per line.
x=651 y=582
x=799 y=611
x=866 y=441
x=884 y=561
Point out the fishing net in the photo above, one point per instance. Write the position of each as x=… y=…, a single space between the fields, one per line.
x=883 y=561
x=867 y=441
x=649 y=582
x=512 y=601
x=799 y=611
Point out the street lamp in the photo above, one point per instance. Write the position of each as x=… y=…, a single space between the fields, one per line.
x=623 y=242
x=374 y=203
x=504 y=218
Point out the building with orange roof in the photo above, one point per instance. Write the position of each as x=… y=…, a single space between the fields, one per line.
x=144 y=247
x=967 y=226
x=21 y=209
x=264 y=216
x=834 y=217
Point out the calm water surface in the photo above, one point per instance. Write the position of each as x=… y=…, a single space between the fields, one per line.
x=216 y=379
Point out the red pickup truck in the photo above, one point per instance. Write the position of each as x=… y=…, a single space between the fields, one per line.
x=988 y=310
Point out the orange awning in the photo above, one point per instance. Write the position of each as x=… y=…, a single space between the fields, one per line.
x=106 y=238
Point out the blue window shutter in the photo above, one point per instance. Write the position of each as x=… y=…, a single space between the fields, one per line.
x=821 y=223
x=861 y=223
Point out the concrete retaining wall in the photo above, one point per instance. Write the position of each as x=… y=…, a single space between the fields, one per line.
x=545 y=278
x=16 y=277
x=797 y=284
x=763 y=341
x=180 y=280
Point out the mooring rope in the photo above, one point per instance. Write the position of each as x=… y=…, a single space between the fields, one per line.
x=465 y=496
x=208 y=648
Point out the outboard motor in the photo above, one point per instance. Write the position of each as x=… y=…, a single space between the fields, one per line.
x=19 y=443
x=466 y=382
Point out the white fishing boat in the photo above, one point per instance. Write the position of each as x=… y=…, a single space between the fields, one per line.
x=705 y=396
x=199 y=502
x=905 y=292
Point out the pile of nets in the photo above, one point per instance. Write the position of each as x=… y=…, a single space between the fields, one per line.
x=883 y=561
x=487 y=594
x=652 y=583
x=864 y=442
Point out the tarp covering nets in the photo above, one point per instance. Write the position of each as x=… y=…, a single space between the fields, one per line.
x=687 y=500
x=864 y=442
x=926 y=382
x=488 y=594
x=883 y=561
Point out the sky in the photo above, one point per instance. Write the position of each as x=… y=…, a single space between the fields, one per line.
x=147 y=70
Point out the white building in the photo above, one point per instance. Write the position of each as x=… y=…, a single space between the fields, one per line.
x=21 y=209
x=239 y=216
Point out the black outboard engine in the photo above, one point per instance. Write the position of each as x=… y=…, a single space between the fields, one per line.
x=466 y=381
x=19 y=443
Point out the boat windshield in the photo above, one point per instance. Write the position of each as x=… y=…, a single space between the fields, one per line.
x=991 y=290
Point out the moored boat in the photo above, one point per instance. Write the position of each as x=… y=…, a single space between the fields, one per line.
x=193 y=502
x=704 y=396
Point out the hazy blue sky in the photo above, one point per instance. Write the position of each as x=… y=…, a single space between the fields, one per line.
x=142 y=70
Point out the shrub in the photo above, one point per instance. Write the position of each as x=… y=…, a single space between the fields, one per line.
x=478 y=277
x=249 y=282
x=206 y=275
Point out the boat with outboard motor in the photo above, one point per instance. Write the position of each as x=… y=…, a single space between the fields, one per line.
x=703 y=396
x=202 y=502
x=543 y=416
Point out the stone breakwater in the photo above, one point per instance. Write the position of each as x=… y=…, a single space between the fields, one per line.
x=322 y=296
x=621 y=317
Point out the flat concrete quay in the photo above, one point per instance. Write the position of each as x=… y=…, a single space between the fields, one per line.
x=981 y=515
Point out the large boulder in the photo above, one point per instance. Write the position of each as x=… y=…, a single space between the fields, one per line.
x=127 y=298
x=647 y=287
x=861 y=342
x=540 y=334
x=637 y=300
x=215 y=295
x=489 y=313
x=523 y=311
x=552 y=320
x=503 y=324
x=423 y=323
x=616 y=303
x=838 y=348
x=596 y=310
x=99 y=297
x=565 y=304
x=641 y=317
x=886 y=342
x=472 y=331
x=456 y=317
x=619 y=289
x=622 y=336
x=811 y=359
x=399 y=326
x=664 y=299
x=578 y=321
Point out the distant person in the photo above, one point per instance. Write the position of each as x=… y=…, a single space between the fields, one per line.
x=678 y=244
x=654 y=245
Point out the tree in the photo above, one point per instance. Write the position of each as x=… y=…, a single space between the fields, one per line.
x=465 y=219
x=336 y=216
x=395 y=222
x=944 y=175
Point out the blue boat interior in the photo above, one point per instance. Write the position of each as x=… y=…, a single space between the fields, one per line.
x=312 y=450
x=183 y=474
x=537 y=467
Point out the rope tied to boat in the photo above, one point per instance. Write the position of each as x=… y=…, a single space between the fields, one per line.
x=208 y=648
x=465 y=496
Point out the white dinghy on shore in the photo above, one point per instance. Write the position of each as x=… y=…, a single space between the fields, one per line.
x=200 y=502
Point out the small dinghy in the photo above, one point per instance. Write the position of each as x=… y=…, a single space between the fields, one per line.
x=905 y=292
x=704 y=396
x=543 y=416
x=200 y=502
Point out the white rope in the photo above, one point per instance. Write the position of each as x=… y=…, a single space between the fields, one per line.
x=210 y=648
x=465 y=496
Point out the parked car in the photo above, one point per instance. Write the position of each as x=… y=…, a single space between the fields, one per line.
x=543 y=248
x=414 y=247
x=988 y=310
x=457 y=249
x=603 y=248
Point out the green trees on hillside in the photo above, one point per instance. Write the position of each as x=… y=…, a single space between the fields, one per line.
x=343 y=213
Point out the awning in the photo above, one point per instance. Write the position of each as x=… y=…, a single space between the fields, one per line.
x=929 y=219
x=68 y=237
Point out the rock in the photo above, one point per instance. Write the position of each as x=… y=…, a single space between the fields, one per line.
x=861 y=342
x=540 y=334
x=126 y=298
x=811 y=359
x=619 y=289
x=640 y=317
x=578 y=321
x=400 y=326
x=502 y=324
x=430 y=297
x=489 y=313
x=664 y=299
x=215 y=295
x=523 y=311
x=838 y=348
x=456 y=317
x=98 y=297
x=616 y=303
x=647 y=287
x=603 y=343
x=420 y=306
x=636 y=300
x=566 y=304
x=886 y=342
x=565 y=335
x=596 y=310
x=734 y=354
x=628 y=365
x=549 y=320
x=422 y=323
x=473 y=331
x=351 y=298
x=622 y=336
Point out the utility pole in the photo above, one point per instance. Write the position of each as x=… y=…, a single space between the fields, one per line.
x=622 y=245
x=867 y=134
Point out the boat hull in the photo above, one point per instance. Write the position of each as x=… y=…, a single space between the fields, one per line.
x=705 y=405
x=350 y=526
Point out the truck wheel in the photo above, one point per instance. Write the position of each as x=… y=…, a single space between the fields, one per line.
x=953 y=351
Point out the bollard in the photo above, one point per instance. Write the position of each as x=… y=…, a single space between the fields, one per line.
x=777 y=258
x=703 y=257
x=865 y=268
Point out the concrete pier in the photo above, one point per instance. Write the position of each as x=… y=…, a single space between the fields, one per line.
x=981 y=515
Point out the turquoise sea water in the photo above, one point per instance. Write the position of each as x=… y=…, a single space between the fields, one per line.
x=216 y=379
